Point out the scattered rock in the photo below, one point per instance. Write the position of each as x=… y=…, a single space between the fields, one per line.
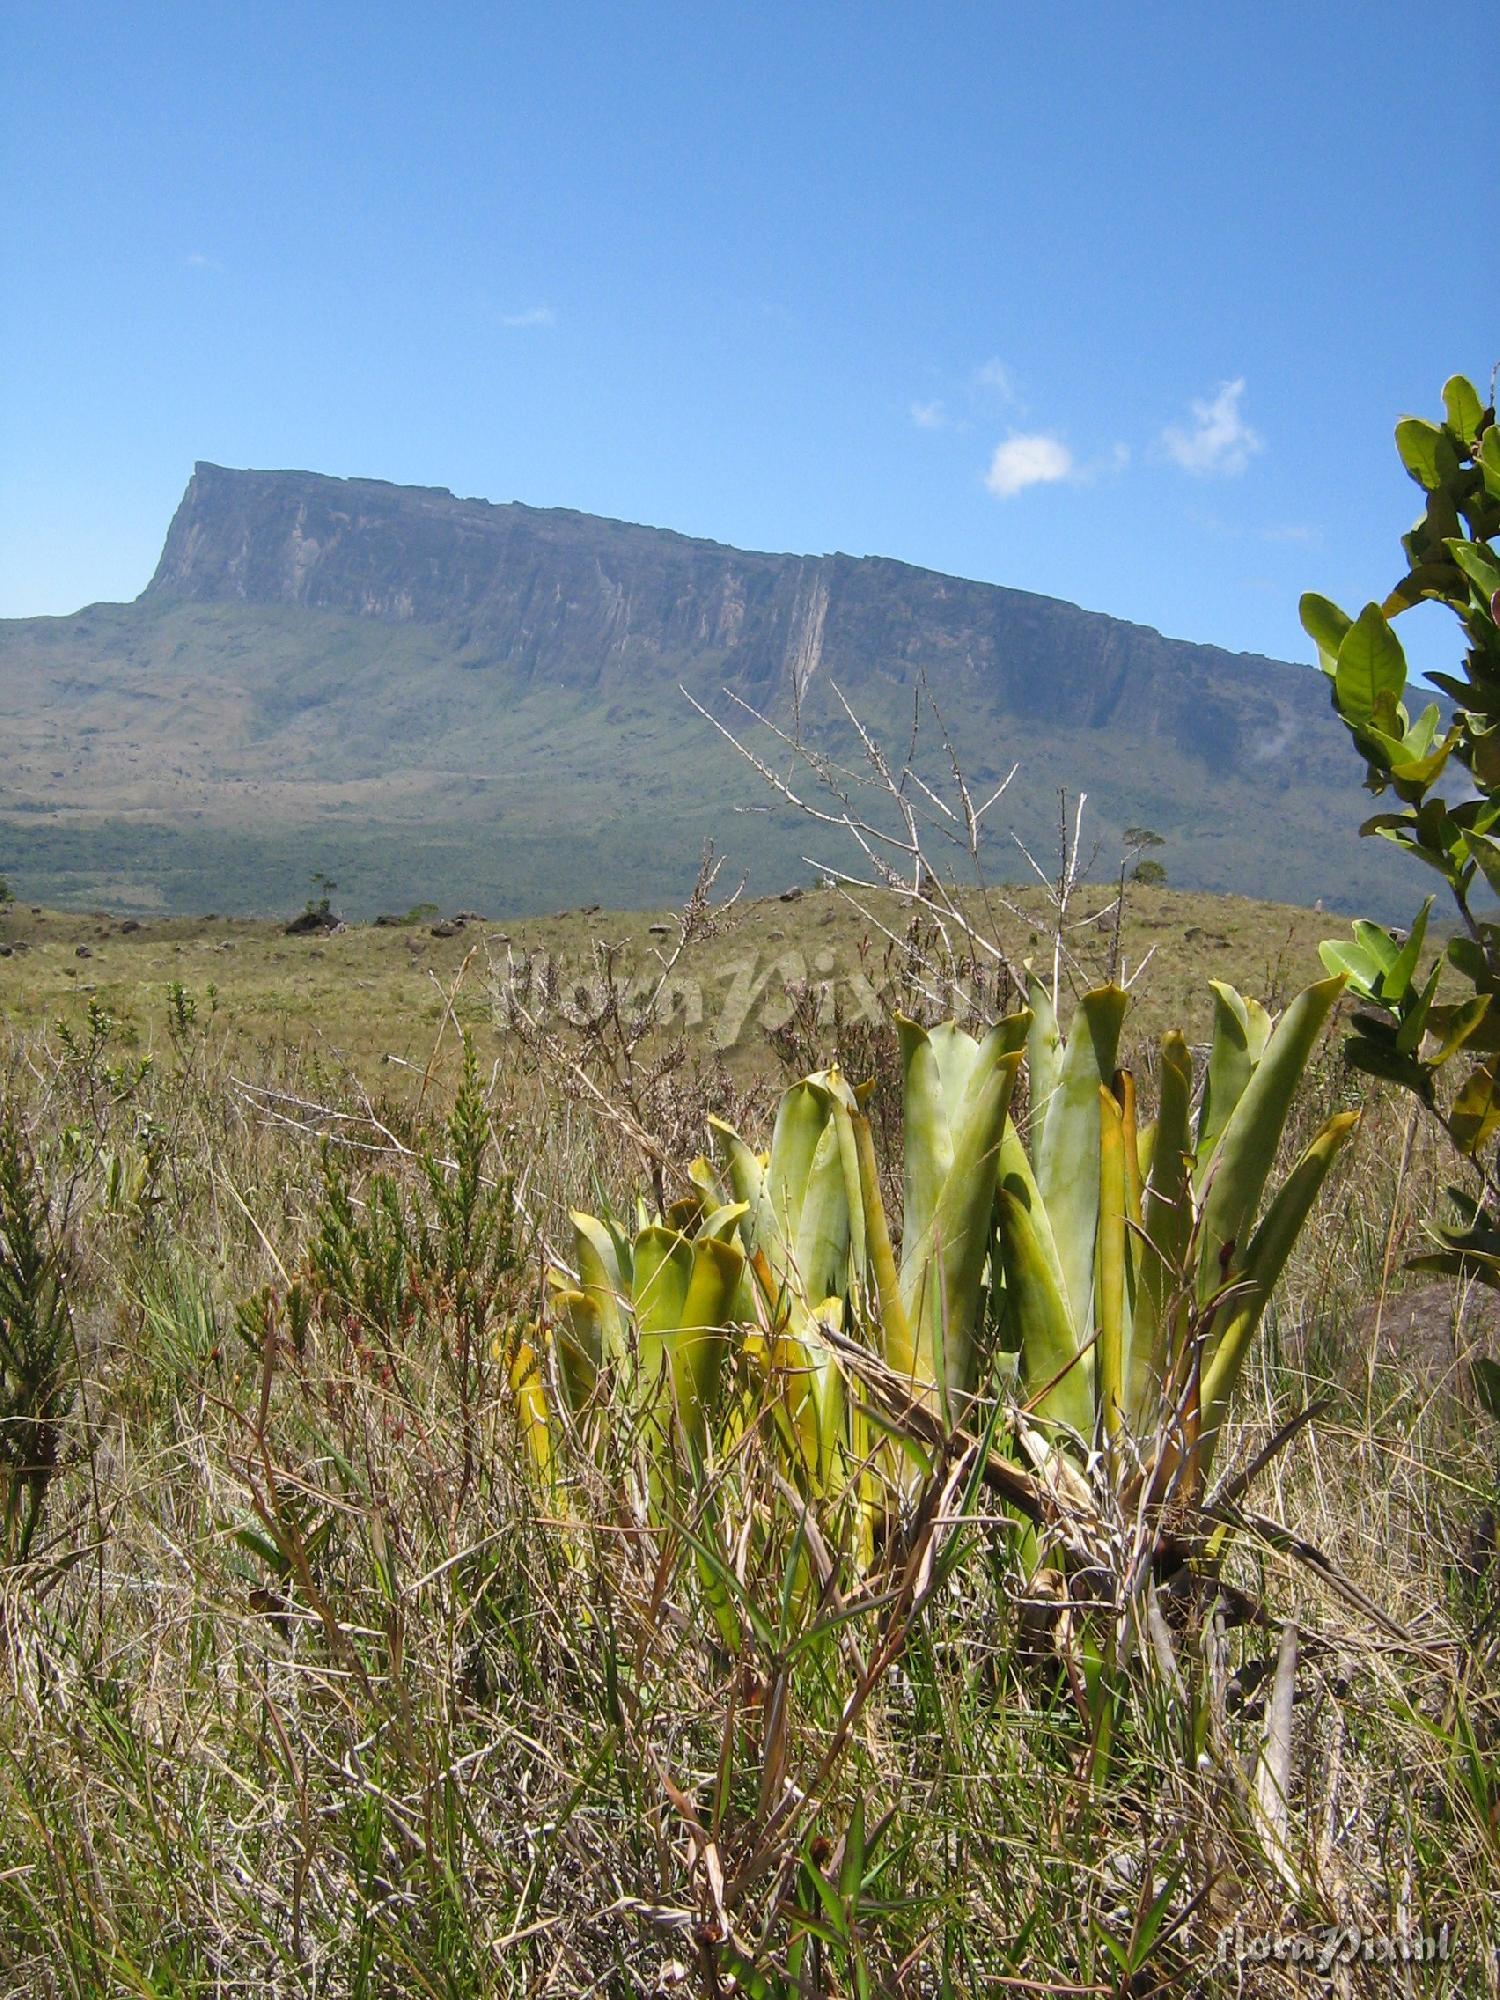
x=5 y=951
x=469 y=917
x=312 y=923
x=386 y=922
x=130 y=924
x=82 y=951
x=776 y=937
x=790 y=896
x=659 y=930
x=449 y=929
x=592 y=910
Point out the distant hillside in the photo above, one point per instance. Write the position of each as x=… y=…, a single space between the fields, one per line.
x=427 y=696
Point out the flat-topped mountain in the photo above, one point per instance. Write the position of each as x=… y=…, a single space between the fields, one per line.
x=605 y=605
x=426 y=695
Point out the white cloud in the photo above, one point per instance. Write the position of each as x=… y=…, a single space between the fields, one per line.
x=532 y=316
x=994 y=375
x=929 y=416
x=1219 y=440
x=196 y=261
x=1020 y=462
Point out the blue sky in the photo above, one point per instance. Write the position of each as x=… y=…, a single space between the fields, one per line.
x=1118 y=304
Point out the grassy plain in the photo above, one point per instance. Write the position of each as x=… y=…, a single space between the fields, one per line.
x=306 y=1690
x=369 y=991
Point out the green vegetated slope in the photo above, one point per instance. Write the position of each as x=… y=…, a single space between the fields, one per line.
x=423 y=696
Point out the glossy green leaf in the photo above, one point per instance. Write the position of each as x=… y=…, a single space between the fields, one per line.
x=1325 y=625
x=1427 y=455
x=1465 y=412
x=1370 y=660
x=1477 y=561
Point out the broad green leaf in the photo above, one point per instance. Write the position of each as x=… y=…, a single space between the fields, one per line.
x=1355 y=962
x=1110 y=1267
x=896 y=1332
x=1260 y=1268
x=579 y=1340
x=700 y=1346
x=820 y=1256
x=813 y=1390
x=1414 y=1024
x=1017 y=1175
x=1464 y=410
x=1378 y=1056
x=1475 y=1117
x=1241 y=1028
x=1427 y=455
x=1041 y=1325
x=1168 y=1207
x=956 y=1053
x=1477 y=561
x=1401 y=974
x=1487 y=852
x=663 y=1272
x=1489 y=461
x=1067 y=1158
x=801 y=1118
x=1380 y=944
x=746 y=1168
x=600 y=1278
x=928 y=1141
x=1484 y=761
x=1248 y=1145
x=1044 y=1055
x=1454 y=1025
x=1370 y=660
x=942 y=1270
x=1325 y=625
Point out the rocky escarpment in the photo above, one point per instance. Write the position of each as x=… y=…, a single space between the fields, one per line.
x=579 y=602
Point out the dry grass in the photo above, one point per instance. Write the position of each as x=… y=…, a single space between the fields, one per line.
x=307 y=1692
x=367 y=994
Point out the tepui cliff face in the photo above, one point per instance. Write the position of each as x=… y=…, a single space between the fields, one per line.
x=600 y=604
x=437 y=697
